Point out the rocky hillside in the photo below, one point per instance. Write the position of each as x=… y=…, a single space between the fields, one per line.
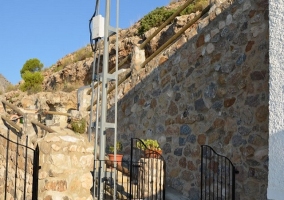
x=78 y=73
x=74 y=70
x=4 y=83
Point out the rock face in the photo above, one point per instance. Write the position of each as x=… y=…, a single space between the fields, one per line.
x=70 y=77
x=79 y=73
x=4 y=83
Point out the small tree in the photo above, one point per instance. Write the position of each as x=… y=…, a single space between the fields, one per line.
x=31 y=65
x=32 y=82
x=32 y=76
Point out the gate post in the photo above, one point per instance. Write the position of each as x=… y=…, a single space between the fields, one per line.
x=131 y=167
x=7 y=163
x=35 y=173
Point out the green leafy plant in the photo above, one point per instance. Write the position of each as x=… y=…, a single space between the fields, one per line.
x=33 y=81
x=156 y=17
x=79 y=126
x=119 y=147
x=148 y=144
x=31 y=65
x=32 y=76
x=197 y=5
x=153 y=19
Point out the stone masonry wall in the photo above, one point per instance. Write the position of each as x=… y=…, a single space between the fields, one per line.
x=210 y=87
x=66 y=161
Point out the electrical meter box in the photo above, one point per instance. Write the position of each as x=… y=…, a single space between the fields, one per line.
x=98 y=27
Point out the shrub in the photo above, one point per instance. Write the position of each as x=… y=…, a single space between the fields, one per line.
x=82 y=54
x=32 y=82
x=31 y=65
x=35 y=89
x=57 y=68
x=194 y=7
x=156 y=17
x=79 y=126
x=148 y=143
x=65 y=61
x=119 y=147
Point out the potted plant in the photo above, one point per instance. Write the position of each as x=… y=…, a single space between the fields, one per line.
x=150 y=147
x=119 y=156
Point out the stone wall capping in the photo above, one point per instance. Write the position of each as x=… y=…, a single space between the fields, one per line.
x=69 y=138
x=51 y=137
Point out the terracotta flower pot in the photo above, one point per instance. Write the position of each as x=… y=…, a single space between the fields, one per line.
x=118 y=158
x=153 y=153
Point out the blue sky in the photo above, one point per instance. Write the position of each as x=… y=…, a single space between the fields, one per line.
x=48 y=30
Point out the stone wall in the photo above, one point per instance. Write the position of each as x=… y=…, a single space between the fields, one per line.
x=66 y=161
x=210 y=87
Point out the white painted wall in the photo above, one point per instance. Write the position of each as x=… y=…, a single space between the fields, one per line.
x=276 y=101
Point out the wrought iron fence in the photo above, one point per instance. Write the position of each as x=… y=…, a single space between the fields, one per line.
x=116 y=179
x=19 y=166
x=148 y=170
x=140 y=175
x=217 y=175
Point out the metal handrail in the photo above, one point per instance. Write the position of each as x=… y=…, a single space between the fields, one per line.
x=172 y=39
x=42 y=126
x=13 y=107
x=56 y=113
x=165 y=23
x=12 y=123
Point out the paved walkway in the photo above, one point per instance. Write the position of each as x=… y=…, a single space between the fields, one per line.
x=172 y=194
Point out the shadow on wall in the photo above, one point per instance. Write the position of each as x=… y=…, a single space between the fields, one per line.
x=212 y=90
x=276 y=142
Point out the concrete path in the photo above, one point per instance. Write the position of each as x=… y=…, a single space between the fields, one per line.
x=172 y=194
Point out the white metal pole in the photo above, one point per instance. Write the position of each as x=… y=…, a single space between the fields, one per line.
x=104 y=98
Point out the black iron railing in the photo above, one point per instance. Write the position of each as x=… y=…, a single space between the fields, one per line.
x=148 y=169
x=20 y=164
x=217 y=175
x=139 y=176
x=116 y=179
